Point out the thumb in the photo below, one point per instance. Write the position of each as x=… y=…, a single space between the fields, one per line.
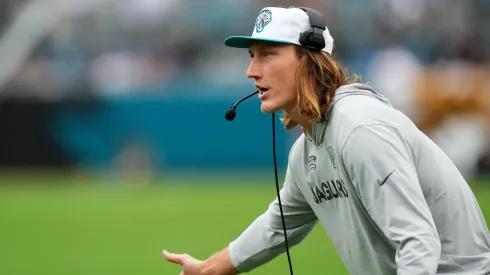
x=174 y=258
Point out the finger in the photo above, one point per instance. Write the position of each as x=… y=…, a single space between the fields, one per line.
x=173 y=258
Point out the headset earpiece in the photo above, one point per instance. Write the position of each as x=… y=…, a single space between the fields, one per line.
x=311 y=39
x=314 y=38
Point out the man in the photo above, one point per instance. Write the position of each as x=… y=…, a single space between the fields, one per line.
x=391 y=201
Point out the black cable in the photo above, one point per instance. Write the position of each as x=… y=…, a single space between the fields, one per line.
x=278 y=195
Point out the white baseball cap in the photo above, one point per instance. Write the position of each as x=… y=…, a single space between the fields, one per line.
x=282 y=25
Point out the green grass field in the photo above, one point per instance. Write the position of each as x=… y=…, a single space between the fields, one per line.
x=82 y=226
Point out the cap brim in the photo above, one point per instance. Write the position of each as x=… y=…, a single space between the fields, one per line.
x=245 y=41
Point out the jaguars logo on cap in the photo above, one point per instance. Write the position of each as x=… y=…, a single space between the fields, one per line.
x=264 y=18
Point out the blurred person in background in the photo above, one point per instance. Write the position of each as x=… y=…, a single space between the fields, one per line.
x=457 y=112
x=390 y=199
x=453 y=95
x=438 y=68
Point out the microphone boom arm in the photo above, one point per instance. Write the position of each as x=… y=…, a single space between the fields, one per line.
x=240 y=101
x=230 y=114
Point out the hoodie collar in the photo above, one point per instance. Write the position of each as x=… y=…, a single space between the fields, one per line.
x=319 y=128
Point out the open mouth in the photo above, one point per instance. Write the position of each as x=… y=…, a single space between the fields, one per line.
x=263 y=90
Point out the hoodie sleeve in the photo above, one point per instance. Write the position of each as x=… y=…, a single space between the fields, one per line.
x=381 y=166
x=264 y=240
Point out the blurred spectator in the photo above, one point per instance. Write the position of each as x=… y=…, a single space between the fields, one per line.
x=394 y=72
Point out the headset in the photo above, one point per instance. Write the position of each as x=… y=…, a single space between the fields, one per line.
x=312 y=39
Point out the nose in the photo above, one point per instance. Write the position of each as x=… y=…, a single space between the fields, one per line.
x=253 y=70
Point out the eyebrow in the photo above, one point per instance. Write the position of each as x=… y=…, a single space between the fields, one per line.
x=260 y=47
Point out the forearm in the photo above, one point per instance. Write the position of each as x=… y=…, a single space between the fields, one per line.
x=219 y=264
x=264 y=240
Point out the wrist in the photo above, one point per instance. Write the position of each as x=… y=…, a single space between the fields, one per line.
x=209 y=268
x=219 y=264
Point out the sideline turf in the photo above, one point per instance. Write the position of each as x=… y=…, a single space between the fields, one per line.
x=96 y=227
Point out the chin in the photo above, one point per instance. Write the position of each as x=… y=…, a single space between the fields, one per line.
x=268 y=108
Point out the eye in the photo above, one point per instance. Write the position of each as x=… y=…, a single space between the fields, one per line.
x=267 y=53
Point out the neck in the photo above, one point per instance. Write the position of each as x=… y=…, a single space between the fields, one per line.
x=302 y=121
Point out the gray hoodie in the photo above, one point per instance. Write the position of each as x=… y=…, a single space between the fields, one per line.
x=391 y=201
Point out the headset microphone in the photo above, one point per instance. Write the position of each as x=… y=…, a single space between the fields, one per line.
x=231 y=113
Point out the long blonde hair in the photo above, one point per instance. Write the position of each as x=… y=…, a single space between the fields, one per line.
x=318 y=76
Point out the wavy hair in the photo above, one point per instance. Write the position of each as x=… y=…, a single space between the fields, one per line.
x=318 y=76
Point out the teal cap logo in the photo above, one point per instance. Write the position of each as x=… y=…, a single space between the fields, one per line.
x=264 y=18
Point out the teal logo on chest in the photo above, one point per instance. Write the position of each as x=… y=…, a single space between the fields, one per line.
x=330 y=190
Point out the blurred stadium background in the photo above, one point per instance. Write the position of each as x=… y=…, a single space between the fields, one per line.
x=113 y=143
